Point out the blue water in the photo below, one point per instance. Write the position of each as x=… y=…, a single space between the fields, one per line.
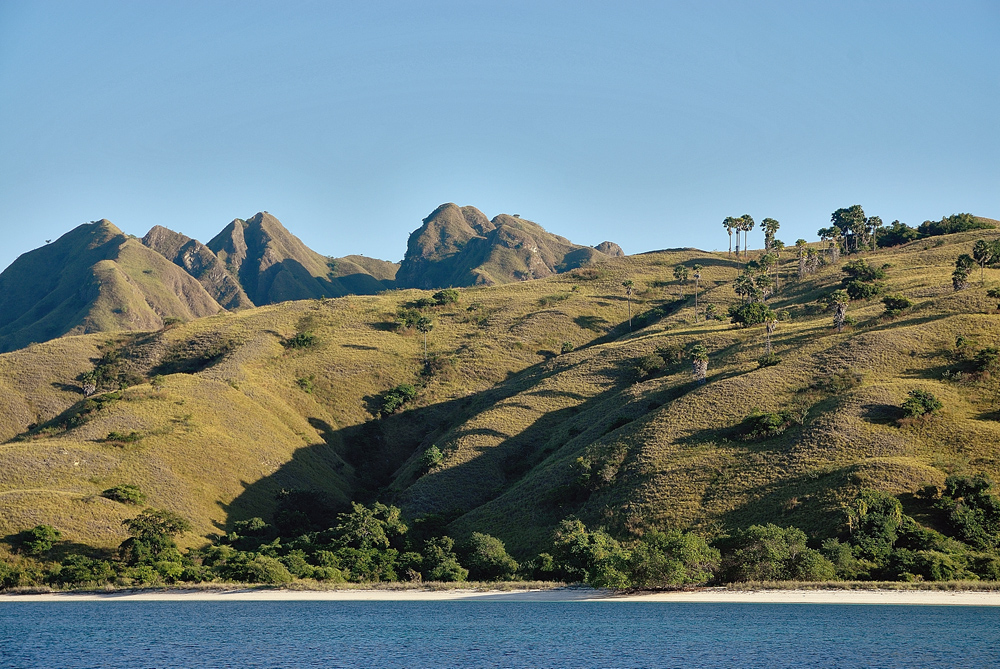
x=494 y=634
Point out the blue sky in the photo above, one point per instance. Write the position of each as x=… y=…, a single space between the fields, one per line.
x=646 y=123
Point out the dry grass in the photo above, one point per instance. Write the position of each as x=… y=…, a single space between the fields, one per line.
x=513 y=416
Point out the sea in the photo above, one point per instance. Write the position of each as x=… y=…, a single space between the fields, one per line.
x=493 y=634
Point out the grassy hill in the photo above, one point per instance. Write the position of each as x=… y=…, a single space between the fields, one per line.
x=94 y=278
x=540 y=397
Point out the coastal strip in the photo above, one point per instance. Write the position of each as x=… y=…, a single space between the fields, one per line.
x=571 y=594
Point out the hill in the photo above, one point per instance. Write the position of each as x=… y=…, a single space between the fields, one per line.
x=542 y=400
x=459 y=246
x=94 y=278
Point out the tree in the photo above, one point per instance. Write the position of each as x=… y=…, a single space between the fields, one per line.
x=152 y=539
x=897 y=234
x=839 y=300
x=699 y=362
x=730 y=224
x=986 y=254
x=920 y=403
x=662 y=559
x=628 y=284
x=747 y=225
x=39 y=539
x=852 y=224
x=440 y=562
x=873 y=226
x=800 y=247
x=425 y=325
x=770 y=323
x=769 y=226
x=773 y=553
x=963 y=267
x=487 y=559
x=863 y=281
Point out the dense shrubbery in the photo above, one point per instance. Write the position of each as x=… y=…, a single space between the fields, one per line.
x=877 y=541
x=952 y=224
x=863 y=281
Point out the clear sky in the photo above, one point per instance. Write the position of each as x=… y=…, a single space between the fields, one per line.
x=642 y=123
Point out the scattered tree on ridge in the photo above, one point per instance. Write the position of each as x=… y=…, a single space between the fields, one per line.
x=628 y=284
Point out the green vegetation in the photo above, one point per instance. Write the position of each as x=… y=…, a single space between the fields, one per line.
x=669 y=475
x=126 y=494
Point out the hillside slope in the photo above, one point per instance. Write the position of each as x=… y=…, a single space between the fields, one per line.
x=541 y=399
x=94 y=278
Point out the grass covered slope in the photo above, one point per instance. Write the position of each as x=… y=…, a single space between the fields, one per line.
x=541 y=401
x=94 y=278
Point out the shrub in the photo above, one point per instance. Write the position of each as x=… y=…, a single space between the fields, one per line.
x=431 y=457
x=306 y=383
x=896 y=234
x=487 y=559
x=394 y=399
x=763 y=425
x=123 y=437
x=773 y=553
x=672 y=558
x=126 y=494
x=446 y=296
x=895 y=304
x=301 y=340
x=863 y=281
x=768 y=360
x=39 y=539
x=648 y=365
x=567 y=347
x=952 y=224
x=840 y=381
x=921 y=403
x=751 y=314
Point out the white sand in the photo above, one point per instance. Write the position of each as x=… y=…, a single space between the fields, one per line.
x=575 y=594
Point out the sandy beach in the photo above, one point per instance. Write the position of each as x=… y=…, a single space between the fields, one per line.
x=569 y=594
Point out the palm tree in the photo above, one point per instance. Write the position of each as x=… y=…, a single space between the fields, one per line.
x=839 y=300
x=777 y=246
x=747 y=226
x=425 y=325
x=770 y=323
x=769 y=226
x=697 y=277
x=628 y=283
x=699 y=362
x=730 y=224
x=800 y=246
x=982 y=253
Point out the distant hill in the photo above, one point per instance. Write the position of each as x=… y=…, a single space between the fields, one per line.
x=273 y=265
x=200 y=262
x=544 y=401
x=459 y=246
x=255 y=262
x=94 y=279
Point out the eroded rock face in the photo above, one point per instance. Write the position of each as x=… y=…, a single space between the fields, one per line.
x=201 y=263
x=459 y=246
x=610 y=249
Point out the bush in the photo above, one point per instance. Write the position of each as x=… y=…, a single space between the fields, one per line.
x=394 y=399
x=567 y=347
x=126 y=494
x=431 y=457
x=648 y=365
x=773 y=553
x=863 y=281
x=763 y=425
x=896 y=234
x=123 y=437
x=446 y=296
x=921 y=403
x=895 y=304
x=301 y=340
x=663 y=559
x=952 y=224
x=487 y=559
x=751 y=314
x=39 y=539
x=840 y=381
x=768 y=360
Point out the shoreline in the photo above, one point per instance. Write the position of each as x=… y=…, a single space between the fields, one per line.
x=924 y=597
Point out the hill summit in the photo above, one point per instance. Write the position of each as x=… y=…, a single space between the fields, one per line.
x=95 y=278
x=459 y=246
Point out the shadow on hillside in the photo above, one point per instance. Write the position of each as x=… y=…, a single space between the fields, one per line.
x=881 y=414
x=805 y=501
x=374 y=459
